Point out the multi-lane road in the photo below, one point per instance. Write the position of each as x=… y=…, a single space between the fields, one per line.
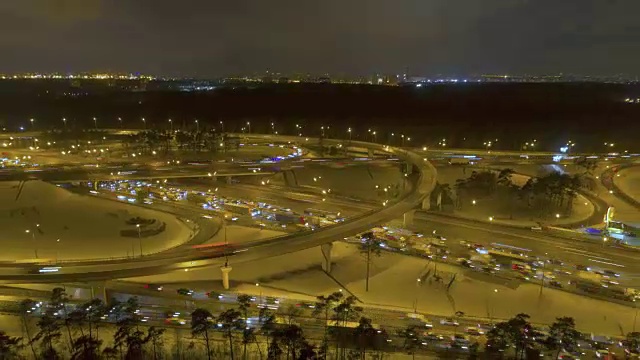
x=419 y=187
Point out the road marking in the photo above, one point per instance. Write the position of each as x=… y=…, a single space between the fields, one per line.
x=583 y=253
x=608 y=263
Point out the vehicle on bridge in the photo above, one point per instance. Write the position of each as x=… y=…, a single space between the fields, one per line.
x=323 y=214
x=214 y=250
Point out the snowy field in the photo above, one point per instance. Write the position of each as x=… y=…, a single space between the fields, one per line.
x=394 y=285
x=354 y=181
x=62 y=225
x=628 y=180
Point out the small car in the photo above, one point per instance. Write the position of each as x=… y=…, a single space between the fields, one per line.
x=449 y=321
x=153 y=287
x=474 y=331
x=185 y=291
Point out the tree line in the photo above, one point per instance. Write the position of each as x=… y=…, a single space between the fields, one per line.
x=247 y=330
x=545 y=195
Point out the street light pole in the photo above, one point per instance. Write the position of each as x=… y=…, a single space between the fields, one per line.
x=144 y=124
x=64 y=121
x=415 y=303
x=542 y=277
x=171 y=125
x=197 y=126
x=57 y=250
x=33 y=237
x=95 y=123
x=139 y=239
x=222 y=126
x=249 y=126
x=260 y=289
x=495 y=291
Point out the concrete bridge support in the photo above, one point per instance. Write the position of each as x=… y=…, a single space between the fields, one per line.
x=407 y=218
x=326 y=254
x=99 y=291
x=407 y=168
x=225 y=276
x=290 y=178
x=426 y=203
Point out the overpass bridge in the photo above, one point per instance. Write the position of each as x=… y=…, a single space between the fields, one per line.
x=228 y=170
x=420 y=178
x=58 y=176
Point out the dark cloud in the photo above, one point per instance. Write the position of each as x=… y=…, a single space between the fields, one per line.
x=209 y=38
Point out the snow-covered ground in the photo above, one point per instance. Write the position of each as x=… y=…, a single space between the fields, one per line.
x=62 y=225
x=354 y=181
x=628 y=180
x=393 y=284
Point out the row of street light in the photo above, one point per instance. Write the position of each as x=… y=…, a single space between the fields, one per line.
x=324 y=131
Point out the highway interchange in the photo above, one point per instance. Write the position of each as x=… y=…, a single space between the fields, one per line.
x=569 y=248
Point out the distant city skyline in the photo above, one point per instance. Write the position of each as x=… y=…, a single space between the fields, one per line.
x=379 y=78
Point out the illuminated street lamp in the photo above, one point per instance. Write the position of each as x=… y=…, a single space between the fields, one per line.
x=95 y=122
x=170 y=125
x=197 y=126
x=222 y=126
x=139 y=239
x=144 y=123
x=57 y=250
x=64 y=121
x=32 y=121
x=349 y=131
x=415 y=302
x=249 y=126
x=260 y=290
x=495 y=291
x=120 y=121
x=33 y=237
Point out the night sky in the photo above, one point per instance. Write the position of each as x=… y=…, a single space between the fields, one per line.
x=216 y=37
